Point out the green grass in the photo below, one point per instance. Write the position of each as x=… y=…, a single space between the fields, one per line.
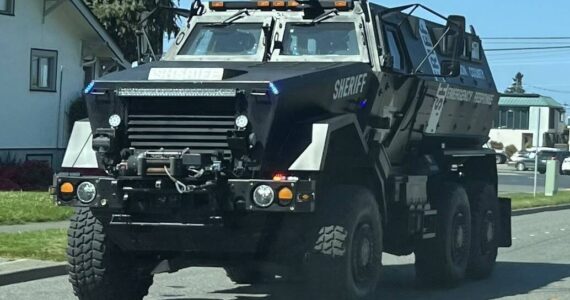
x=28 y=207
x=523 y=200
x=42 y=245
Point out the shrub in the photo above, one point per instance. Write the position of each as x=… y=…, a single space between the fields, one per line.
x=510 y=150
x=8 y=185
x=30 y=175
x=496 y=145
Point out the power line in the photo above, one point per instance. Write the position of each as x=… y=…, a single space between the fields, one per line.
x=548 y=90
x=528 y=38
x=528 y=48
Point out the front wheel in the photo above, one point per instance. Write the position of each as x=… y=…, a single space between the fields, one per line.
x=346 y=257
x=443 y=259
x=521 y=167
x=98 y=269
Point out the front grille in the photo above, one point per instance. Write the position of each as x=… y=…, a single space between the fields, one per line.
x=201 y=126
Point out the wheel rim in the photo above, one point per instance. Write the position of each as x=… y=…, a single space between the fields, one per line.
x=459 y=238
x=362 y=256
x=488 y=231
x=520 y=167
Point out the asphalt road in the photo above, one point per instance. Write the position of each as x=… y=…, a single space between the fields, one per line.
x=536 y=267
x=513 y=181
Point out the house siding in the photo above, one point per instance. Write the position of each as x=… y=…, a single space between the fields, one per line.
x=34 y=122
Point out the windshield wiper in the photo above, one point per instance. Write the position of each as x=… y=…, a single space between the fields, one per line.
x=236 y=16
x=324 y=16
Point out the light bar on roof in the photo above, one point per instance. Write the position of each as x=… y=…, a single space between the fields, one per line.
x=164 y=92
x=282 y=4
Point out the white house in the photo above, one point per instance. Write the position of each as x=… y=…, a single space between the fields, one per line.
x=49 y=50
x=520 y=117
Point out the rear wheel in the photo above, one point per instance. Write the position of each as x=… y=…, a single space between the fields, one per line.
x=521 y=166
x=485 y=228
x=346 y=257
x=98 y=269
x=443 y=259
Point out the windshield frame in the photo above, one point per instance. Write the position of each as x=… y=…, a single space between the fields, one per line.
x=216 y=19
x=363 y=55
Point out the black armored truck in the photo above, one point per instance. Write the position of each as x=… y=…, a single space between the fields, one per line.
x=289 y=139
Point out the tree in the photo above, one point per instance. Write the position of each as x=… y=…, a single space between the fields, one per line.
x=121 y=17
x=517 y=85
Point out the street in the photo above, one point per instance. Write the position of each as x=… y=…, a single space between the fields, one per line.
x=513 y=181
x=536 y=267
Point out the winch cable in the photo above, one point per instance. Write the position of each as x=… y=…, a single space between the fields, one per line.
x=180 y=187
x=183 y=188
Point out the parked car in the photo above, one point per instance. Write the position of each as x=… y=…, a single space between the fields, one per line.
x=527 y=162
x=566 y=166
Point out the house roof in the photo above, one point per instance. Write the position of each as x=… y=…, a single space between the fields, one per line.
x=103 y=34
x=529 y=100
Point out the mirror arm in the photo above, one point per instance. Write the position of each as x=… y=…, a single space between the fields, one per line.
x=431 y=52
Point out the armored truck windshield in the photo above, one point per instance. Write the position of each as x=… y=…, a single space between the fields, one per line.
x=215 y=40
x=320 y=39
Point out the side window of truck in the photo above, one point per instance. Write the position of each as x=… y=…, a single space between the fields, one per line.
x=395 y=49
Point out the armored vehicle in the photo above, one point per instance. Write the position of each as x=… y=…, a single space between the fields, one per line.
x=296 y=140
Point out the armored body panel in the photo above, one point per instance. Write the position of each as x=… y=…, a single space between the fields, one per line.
x=272 y=127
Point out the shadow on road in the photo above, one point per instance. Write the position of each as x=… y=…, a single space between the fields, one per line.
x=509 y=279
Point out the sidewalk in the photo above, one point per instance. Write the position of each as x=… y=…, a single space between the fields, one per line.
x=33 y=227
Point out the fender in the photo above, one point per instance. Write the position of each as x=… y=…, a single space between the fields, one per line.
x=345 y=130
x=79 y=153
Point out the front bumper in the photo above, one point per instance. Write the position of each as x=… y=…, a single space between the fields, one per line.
x=159 y=193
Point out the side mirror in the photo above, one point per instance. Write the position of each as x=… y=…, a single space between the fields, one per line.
x=454 y=45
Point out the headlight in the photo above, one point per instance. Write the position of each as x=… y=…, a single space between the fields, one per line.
x=86 y=192
x=241 y=122
x=115 y=120
x=263 y=195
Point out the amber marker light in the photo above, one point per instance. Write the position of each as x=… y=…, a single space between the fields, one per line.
x=285 y=196
x=340 y=4
x=217 y=4
x=278 y=3
x=292 y=4
x=263 y=3
x=66 y=188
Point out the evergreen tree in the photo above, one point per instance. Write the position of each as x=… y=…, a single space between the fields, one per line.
x=517 y=85
x=121 y=17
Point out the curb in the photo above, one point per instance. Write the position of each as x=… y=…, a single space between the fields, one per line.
x=33 y=273
x=534 y=210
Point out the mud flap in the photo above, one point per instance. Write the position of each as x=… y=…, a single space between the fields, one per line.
x=505 y=239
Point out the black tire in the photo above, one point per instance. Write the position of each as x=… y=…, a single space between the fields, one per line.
x=247 y=275
x=98 y=269
x=346 y=256
x=520 y=167
x=541 y=171
x=485 y=224
x=443 y=260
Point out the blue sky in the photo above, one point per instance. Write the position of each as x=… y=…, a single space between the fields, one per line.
x=546 y=70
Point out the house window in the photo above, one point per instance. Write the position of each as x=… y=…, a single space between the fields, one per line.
x=512 y=118
x=43 y=70
x=7 y=7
